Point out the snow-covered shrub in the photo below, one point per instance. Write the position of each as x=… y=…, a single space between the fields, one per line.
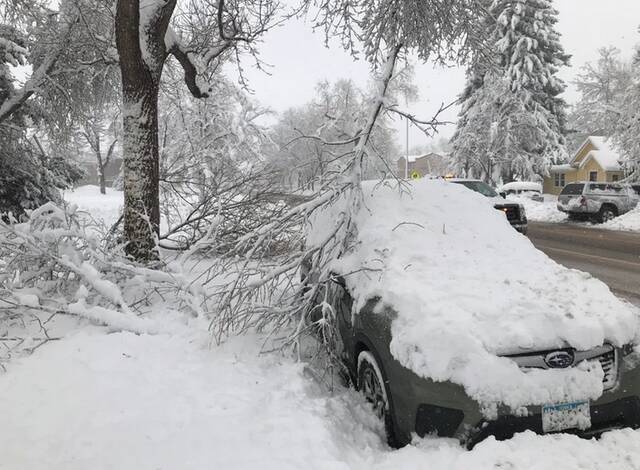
x=58 y=262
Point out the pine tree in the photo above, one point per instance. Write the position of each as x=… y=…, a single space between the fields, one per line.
x=512 y=121
x=28 y=176
x=627 y=127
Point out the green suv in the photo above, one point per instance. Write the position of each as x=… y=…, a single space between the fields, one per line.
x=451 y=324
x=409 y=404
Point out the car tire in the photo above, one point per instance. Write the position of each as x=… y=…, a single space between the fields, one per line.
x=606 y=213
x=373 y=386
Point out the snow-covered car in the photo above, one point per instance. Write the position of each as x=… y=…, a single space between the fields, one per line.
x=514 y=212
x=600 y=202
x=528 y=189
x=450 y=324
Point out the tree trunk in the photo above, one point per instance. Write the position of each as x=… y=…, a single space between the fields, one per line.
x=140 y=136
x=99 y=164
x=140 y=86
x=101 y=179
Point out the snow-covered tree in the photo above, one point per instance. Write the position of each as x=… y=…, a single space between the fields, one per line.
x=81 y=97
x=145 y=38
x=45 y=34
x=627 y=131
x=602 y=86
x=262 y=291
x=212 y=171
x=29 y=176
x=336 y=114
x=512 y=121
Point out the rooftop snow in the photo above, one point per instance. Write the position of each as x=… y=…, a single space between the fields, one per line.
x=606 y=156
x=467 y=287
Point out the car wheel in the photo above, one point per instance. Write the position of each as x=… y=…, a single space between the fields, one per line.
x=606 y=214
x=372 y=385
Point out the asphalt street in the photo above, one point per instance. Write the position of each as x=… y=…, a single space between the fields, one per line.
x=611 y=256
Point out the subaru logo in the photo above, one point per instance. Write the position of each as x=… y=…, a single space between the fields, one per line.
x=559 y=359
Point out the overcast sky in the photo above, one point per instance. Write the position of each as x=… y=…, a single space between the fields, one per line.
x=300 y=59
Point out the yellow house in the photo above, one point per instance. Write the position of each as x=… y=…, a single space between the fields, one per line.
x=595 y=160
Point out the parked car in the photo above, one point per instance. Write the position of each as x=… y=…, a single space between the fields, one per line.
x=600 y=202
x=514 y=212
x=449 y=324
x=527 y=189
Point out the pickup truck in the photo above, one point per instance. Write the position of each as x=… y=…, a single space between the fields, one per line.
x=600 y=202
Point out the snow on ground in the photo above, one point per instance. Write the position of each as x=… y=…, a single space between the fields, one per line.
x=104 y=208
x=629 y=222
x=139 y=402
x=541 y=211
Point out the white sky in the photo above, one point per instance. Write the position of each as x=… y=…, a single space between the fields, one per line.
x=300 y=60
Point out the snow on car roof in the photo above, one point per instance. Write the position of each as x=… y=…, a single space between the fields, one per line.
x=467 y=287
x=522 y=185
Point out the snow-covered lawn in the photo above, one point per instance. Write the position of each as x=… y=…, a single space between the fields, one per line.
x=137 y=402
x=104 y=208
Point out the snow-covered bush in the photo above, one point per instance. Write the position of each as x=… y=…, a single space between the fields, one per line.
x=59 y=263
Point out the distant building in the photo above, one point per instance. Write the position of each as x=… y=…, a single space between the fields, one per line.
x=595 y=160
x=420 y=165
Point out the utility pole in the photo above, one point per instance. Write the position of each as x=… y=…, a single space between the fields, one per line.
x=406 y=159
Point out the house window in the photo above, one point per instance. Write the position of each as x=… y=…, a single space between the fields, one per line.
x=559 y=180
x=593 y=176
x=615 y=178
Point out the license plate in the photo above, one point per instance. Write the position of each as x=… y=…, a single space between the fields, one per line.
x=564 y=416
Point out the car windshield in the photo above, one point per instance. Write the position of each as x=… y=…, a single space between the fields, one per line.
x=572 y=189
x=479 y=187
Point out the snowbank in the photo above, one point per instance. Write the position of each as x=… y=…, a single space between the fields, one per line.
x=546 y=211
x=138 y=402
x=629 y=222
x=467 y=288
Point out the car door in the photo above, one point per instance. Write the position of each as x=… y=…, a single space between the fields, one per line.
x=342 y=304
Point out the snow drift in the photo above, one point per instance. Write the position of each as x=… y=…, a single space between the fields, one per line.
x=467 y=288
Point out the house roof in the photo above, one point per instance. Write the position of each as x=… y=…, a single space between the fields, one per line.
x=413 y=158
x=604 y=153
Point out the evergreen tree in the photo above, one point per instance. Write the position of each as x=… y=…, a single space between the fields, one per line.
x=512 y=121
x=28 y=176
x=627 y=128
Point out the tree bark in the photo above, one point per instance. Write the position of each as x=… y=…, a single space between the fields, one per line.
x=141 y=75
x=100 y=166
x=140 y=87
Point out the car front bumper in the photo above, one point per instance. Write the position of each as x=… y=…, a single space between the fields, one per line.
x=444 y=409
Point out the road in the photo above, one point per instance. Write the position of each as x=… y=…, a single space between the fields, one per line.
x=611 y=256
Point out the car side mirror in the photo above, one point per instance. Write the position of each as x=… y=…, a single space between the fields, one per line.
x=503 y=194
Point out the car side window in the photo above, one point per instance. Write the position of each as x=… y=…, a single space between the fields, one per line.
x=343 y=303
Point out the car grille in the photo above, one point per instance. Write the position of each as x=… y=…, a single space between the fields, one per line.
x=610 y=367
x=607 y=355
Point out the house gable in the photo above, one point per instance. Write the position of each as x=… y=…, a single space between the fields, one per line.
x=582 y=152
